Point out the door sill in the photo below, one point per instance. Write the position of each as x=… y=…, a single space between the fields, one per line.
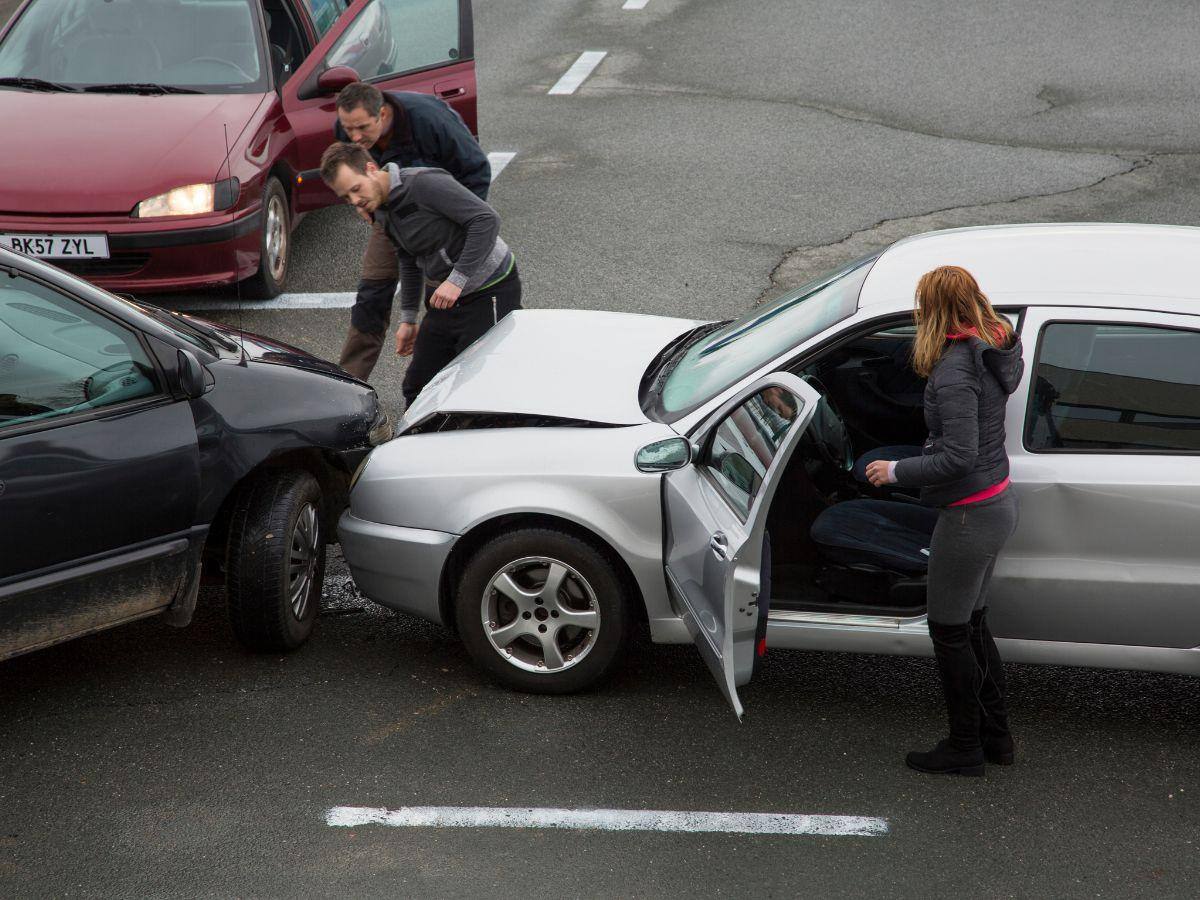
x=896 y=620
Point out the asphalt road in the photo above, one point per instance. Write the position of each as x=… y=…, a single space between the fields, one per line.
x=720 y=152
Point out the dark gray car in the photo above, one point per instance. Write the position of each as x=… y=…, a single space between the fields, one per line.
x=141 y=450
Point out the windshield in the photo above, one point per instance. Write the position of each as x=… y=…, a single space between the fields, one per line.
x=747 y=343
x=203 y=45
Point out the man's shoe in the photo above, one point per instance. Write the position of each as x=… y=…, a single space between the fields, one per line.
x=945 y=759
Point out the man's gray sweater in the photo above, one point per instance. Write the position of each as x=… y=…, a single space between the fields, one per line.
x=442 y=232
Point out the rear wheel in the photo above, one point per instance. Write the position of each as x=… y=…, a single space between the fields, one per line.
x=275 y=560
x=543 y=611
x=275 y=244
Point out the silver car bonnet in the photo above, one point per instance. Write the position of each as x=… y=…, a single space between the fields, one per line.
x=574 y=364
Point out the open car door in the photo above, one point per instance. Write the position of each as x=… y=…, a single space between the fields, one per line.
x=428 y=47
x=716 y=512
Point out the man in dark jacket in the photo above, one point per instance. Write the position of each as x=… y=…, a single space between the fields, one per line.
x=409 y=130
x=442 y=234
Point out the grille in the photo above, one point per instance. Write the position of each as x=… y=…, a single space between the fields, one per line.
x=121 y=264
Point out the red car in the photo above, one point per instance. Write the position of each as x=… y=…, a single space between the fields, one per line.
x=163 y=145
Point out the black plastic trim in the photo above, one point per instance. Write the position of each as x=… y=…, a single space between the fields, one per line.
x=212 y=234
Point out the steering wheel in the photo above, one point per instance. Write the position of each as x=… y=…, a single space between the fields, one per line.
x=221 y=62
x=827 y=437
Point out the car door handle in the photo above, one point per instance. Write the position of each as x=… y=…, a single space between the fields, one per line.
x=719 y=545
x=447 y=93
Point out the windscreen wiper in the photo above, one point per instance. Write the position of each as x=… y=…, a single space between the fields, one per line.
x=138 y=87
x=662 y=364
x=172 y=317
x=37 y=84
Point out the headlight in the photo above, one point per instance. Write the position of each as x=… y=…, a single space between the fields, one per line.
x=185 y=201
x=381 y=430
x=358 y=472
x=191 y=200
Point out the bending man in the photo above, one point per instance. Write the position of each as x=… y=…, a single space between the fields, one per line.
x=407 y=129
x=445 y=237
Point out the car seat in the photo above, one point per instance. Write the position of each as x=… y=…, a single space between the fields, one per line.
x=873 y=549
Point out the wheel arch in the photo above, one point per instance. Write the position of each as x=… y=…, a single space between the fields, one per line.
x=282 y=170
x=332 y=477
x=483 y=532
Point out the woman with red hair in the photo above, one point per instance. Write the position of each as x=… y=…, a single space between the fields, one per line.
x=972 y=360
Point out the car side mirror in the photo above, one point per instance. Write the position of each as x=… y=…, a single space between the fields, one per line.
x=334 y=79
x=191 y=375
x=664 y=456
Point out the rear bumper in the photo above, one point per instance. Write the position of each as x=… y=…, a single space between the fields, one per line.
x=400 y=568
x=147 y=257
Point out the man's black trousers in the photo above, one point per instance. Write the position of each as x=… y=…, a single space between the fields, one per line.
x=445 y=333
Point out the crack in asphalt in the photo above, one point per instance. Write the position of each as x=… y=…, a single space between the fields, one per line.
x=801 y=263
x=1053 y=98
x=614 y=85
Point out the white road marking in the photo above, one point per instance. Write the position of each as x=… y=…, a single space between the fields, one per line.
x=579 y=71
x=635 y=4
x=605 y=820
x=283 y=301
x=499 y=162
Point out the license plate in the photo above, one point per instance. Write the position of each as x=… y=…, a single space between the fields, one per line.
x=58 y=246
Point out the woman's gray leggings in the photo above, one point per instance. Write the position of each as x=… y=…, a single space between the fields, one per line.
x=966 y=541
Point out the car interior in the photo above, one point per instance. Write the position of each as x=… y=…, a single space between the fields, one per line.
x=285 y=39
x=57 y=358
x=838 y=544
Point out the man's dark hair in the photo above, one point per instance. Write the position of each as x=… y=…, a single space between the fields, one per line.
x=352 y=96
x=343 y=154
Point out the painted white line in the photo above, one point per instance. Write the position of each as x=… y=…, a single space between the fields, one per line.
x=605 y=820
x=635 y=4
x=283 y=301
x=579 y=71
x=499 y=162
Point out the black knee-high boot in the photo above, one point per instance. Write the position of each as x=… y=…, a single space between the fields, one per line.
x=960 y=753
x=993 y=724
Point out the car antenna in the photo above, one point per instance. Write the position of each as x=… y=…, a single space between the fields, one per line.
x=237 y=283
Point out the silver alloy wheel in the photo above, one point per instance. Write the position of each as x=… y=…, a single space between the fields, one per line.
x=540 y=614
x=302 y=560
x=275 y=237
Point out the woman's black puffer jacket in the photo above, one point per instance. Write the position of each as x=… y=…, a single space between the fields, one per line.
x=965 y=401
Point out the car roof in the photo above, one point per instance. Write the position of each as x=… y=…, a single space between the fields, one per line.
x=1085 y=264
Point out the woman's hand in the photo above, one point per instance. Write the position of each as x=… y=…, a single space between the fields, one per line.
x=879 y=472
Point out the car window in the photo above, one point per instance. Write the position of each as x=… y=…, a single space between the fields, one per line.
x=764 y=333
x=1115 y=388
x=393 y=36
x=325 y=13
x=207 y=45
x=746 y=441
x=58 y=357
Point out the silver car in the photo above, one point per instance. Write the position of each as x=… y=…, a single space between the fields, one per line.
x=575 y=475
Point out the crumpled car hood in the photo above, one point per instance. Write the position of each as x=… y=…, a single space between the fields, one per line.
x=574 y=364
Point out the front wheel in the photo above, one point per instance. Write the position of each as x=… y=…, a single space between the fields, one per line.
x=275 y=560
x=543 y=611
x=275 y=244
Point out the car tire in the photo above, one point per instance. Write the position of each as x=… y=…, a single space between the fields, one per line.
x=275 y=244
x=590 y=589
x=275 y=560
